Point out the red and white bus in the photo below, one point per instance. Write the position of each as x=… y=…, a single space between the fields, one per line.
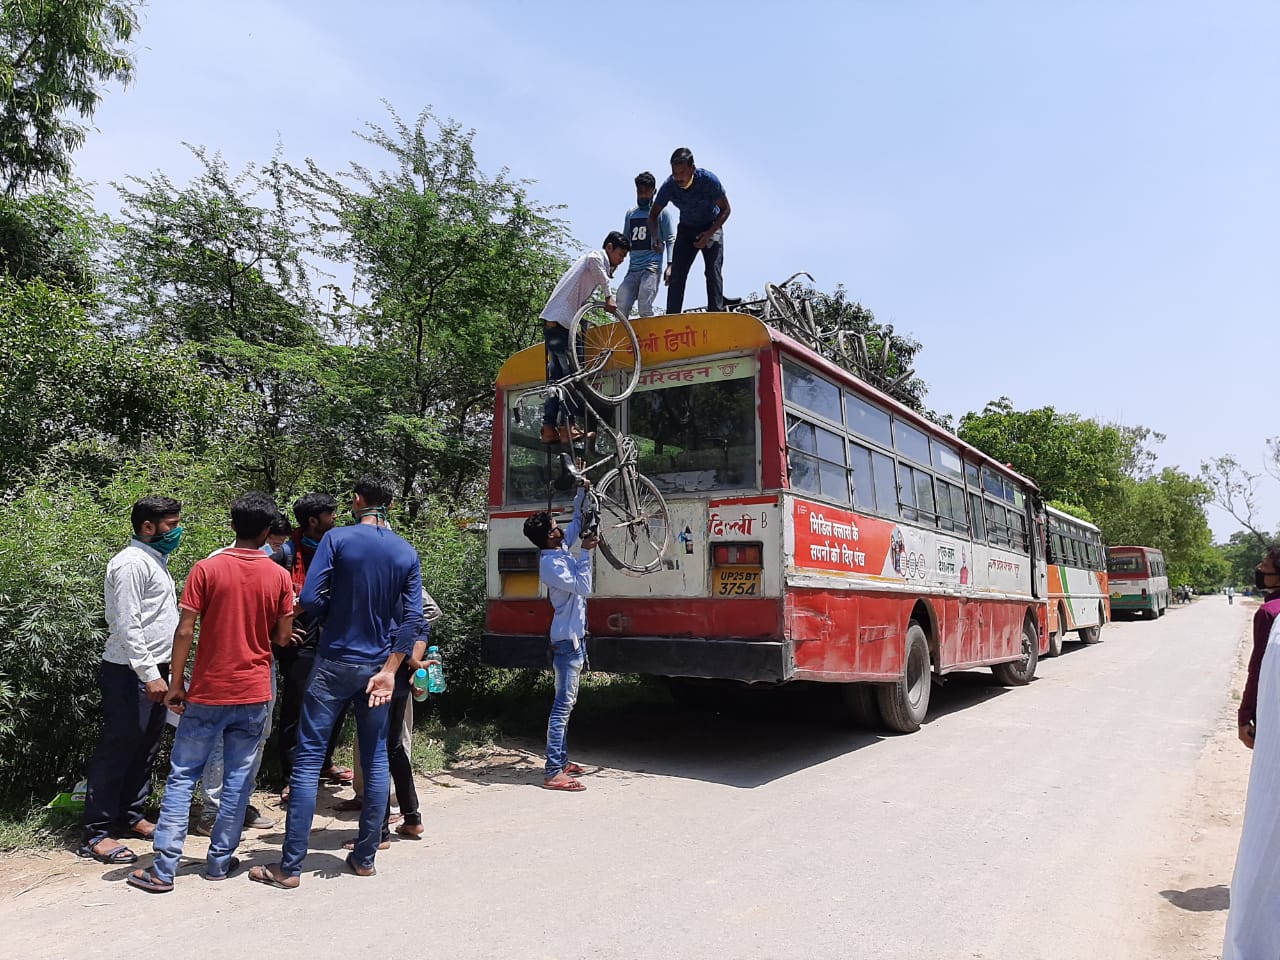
x=822 y=531
x=1139 y=581
x=1078 y=600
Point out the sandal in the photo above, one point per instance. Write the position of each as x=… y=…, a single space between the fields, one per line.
x=413 y=831
x=568 y=784
x=350 y=805
x=358 y=870
x=232 y=866
x=146 y=880
x=268 y=876
x=337 y=774
x=574 y=770
x=116 y=856
x=382 y=845
x=148 y=833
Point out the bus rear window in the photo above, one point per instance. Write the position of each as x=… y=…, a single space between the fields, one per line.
x=1126 y=563
x=696 y=426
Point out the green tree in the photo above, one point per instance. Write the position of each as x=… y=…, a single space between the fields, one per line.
x=1165 y=511
x=451 y=269
x=53 y=235
x=219 y=265
x=55 y=56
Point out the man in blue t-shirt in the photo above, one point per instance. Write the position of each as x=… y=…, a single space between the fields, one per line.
x=703 y=208
x=364 y=586
x=641 y=281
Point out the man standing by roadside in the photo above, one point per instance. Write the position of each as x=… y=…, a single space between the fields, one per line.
x=142 y=613
x=361 y=579
x=703 y=208
x=576 y=288
x=244 y=603
x=568 y=581
x=645 y=263
x=1253 y=926
x=316 y=514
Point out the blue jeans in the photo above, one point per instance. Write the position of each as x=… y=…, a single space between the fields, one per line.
x=332 y=686
x=558 y=367
x=568 y=664
x=639 y=285
x=239 y=728
x=211 y=782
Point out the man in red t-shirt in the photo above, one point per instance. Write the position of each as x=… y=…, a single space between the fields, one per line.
x=244 y=601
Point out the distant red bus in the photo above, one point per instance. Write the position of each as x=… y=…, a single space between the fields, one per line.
x=1139 y=581
x=822 y=530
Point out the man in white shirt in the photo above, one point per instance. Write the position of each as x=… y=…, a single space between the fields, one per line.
x=577 y=287
x=142 y=614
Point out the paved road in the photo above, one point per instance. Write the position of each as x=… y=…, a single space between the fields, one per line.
x=1016 y=824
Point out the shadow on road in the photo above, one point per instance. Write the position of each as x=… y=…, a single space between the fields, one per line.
x=739 y=738
x=1200 y=899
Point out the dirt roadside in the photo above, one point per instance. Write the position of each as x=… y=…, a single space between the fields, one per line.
x=1189 y=886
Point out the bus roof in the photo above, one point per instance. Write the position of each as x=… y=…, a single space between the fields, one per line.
x=1063 y=515
x=670 y=338
x=1144 y=549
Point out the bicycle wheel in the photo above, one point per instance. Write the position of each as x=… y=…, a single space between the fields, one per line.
x=604 y=352
x=634 y=528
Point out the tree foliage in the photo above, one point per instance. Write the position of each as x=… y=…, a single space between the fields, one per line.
x=55 y=56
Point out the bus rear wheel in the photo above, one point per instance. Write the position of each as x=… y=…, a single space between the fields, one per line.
x=1017 y=673
x=1091 y=634
x=904 y=703
x=1056 y=636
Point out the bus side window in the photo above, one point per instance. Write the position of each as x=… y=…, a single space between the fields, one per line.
x=906 y=493
x=975 y=511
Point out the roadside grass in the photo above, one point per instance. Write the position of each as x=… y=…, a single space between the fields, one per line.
x=40 y=829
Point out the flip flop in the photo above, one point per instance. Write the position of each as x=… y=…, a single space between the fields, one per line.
x=264 y=875
x=232 y=866
x=145 y=880
x=116 y=856
x=143 y=834
x=349 y=805
x=382 y=845
x=407 y=830
x=574 y=770
x=337 y=774
x=569 y=786
x=358 y=870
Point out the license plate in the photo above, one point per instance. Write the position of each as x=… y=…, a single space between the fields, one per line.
x=1116 y=596
x=735 y=582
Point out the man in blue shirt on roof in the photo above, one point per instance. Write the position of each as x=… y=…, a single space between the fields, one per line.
x=568 y=581
x=703 y=208
x=641 y=281
x=364 y=585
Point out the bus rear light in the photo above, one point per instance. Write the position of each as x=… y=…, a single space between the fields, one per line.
x=517 y=561
x=1144 y=593
x=737 y=555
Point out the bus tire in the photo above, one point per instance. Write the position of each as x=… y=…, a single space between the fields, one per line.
x=1091 y=634
x=1018 y=673
x=1056 y=636
x=860 y=705
x=905 y=701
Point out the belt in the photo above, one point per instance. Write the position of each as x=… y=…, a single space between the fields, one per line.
x=552 y=323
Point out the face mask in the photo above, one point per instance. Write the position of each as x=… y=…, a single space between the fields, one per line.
x=1260 y=580
x=310 y=544
x=644 y=204
x=379 y=512
x=166 y=543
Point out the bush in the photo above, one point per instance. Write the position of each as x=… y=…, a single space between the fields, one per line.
x=56 y=536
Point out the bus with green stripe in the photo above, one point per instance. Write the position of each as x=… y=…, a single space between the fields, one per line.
x=1139 y=580
x=1077 y=561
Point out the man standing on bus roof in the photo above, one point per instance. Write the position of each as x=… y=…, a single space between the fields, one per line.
x=704 y=208
x=645 y=263
x=568 y=581
x=576 y=288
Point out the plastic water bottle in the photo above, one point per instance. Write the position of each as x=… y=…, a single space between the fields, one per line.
x=435 y=671
x=419 y=684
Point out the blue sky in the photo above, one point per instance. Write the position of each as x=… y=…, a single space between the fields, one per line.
x=1073 y=204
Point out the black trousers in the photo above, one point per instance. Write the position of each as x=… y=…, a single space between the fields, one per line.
x=401 y=766
x=682 y=258
x=119 y=778
x=295 y=665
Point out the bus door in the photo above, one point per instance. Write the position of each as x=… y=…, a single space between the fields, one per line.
x=1039 y=567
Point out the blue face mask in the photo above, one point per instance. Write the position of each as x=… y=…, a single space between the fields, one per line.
x=309 y=543
x=166 y=543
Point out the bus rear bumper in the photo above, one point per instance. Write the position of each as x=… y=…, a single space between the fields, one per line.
x=749 y=661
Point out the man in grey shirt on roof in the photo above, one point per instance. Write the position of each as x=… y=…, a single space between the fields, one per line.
x=142 y=614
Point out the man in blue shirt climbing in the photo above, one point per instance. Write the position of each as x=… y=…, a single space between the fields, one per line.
x=704 y=208
x=645 y=263
x=568 y=581
x=364 y=585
